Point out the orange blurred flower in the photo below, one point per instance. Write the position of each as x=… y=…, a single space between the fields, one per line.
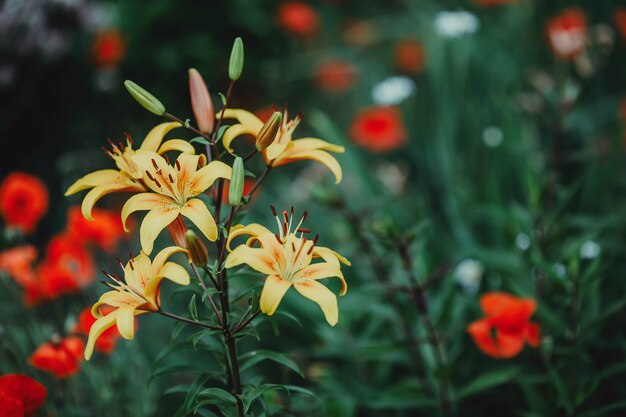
x=360 y=33
x=65 y=253
x=335 y=75
x=20 y=395
x=506 y=327
x=298 y=18
x=567 y=33
x=18 y=262
x=247 y=186
x=620 y=21
x=104 y=231
x=23 y=201
x=491 y=3
x=409 y=56
x=108 y=340
x=378 y=129
x=108 y=48
x=61 y=358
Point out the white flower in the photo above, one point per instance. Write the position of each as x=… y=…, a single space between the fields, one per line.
x=589 y=250
x=492 y=136
x=468 y=274
x=393 y=90
x=455 y=24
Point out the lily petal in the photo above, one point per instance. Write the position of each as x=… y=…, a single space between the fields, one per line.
x=253 y=230
x=97 y=328
x=144 y=201
x=321 y=271
x=310 y=144
x=162 y=256
x=126 y=322
x=277 y=148
x=321 y=295
x=257 y=258
x=245 y=118
x=175 y=273
x=329 y=255
x=234 y=132
x=155 y=221
x=179 y=145
x=102 y=177
x=206 y=176
x=273 y=292
x=155 y=136
x=92 y=197
x=196 y=211
x=315 y=155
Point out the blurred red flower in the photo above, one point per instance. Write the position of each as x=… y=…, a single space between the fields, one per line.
x=335 y=75
x=298 y=18
x=108 y=340
x=378 y=129
x=409 y=56
x=620 y=21
x=108 y=48
x=506 y=327
x=490 y=3
x=104 y=231
x=360 y=33
x=567 y=33
x=23 y=201
x=247 y=186
x=18 y=262
x=61 y=358
x=20 y=395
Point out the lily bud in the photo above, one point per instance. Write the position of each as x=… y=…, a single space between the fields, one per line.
x=268 y=132
x=143 y=97
x=201 y=102
x=198 y=254
x=177 y=230
x=235 y=66
x=235 y=190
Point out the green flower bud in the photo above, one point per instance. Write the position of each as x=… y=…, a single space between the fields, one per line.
x=235 y=191
x=198 y=254
x=143 y=97
x=268 y=132
x=235 y=66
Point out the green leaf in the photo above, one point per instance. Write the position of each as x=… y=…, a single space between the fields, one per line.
x=248 y=331
x=486 y=381
x=289 y=316
x=195 y=339
x=216 y=396
x=200 y=140
x=193 y=308
x=209 y=291
x=223 y=98
x=192 y=394
x=220 y=132
x=248 y=397
x=252 y=358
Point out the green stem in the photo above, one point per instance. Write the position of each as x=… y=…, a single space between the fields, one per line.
x=186 y=320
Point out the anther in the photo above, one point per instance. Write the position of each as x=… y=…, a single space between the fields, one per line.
x=177 y=165
x=158 y=184
x=293 y=246
x=166 y=158
x=149 y=175
x=303 y=230
x=171 y=179
x=278 y=238
x=154 y=164
x=273 y=210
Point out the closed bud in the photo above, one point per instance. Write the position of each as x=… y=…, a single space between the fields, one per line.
x=177 y=230
x=268 y=132
x=198 y=254
x=201 y=102
x=235 y=191
x=235 y=66
x=143 y=97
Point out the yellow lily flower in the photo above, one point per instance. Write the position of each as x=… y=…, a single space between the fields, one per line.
x=286 y=259
x=127 y=177
x=137 y=294
x=283 y=150
x=173 y=191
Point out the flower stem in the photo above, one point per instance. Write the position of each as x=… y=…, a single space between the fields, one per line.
x=186 y=320
x=213 y=306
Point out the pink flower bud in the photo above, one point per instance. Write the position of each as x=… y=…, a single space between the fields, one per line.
x=201 y=102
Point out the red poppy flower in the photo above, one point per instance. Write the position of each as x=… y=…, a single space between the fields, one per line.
x=567 y=33
x=108 y=48
x=18 y=262
x=298 y=18
x=506 y=327
x=104 y=231
x=108 y=340
x=378 y=129
x=66 y=253
x=620 y=21
x=491 y=3
x=20 y=395
x=410 y=56
x=23 y=201
x=60 y=358
x=335 y=75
